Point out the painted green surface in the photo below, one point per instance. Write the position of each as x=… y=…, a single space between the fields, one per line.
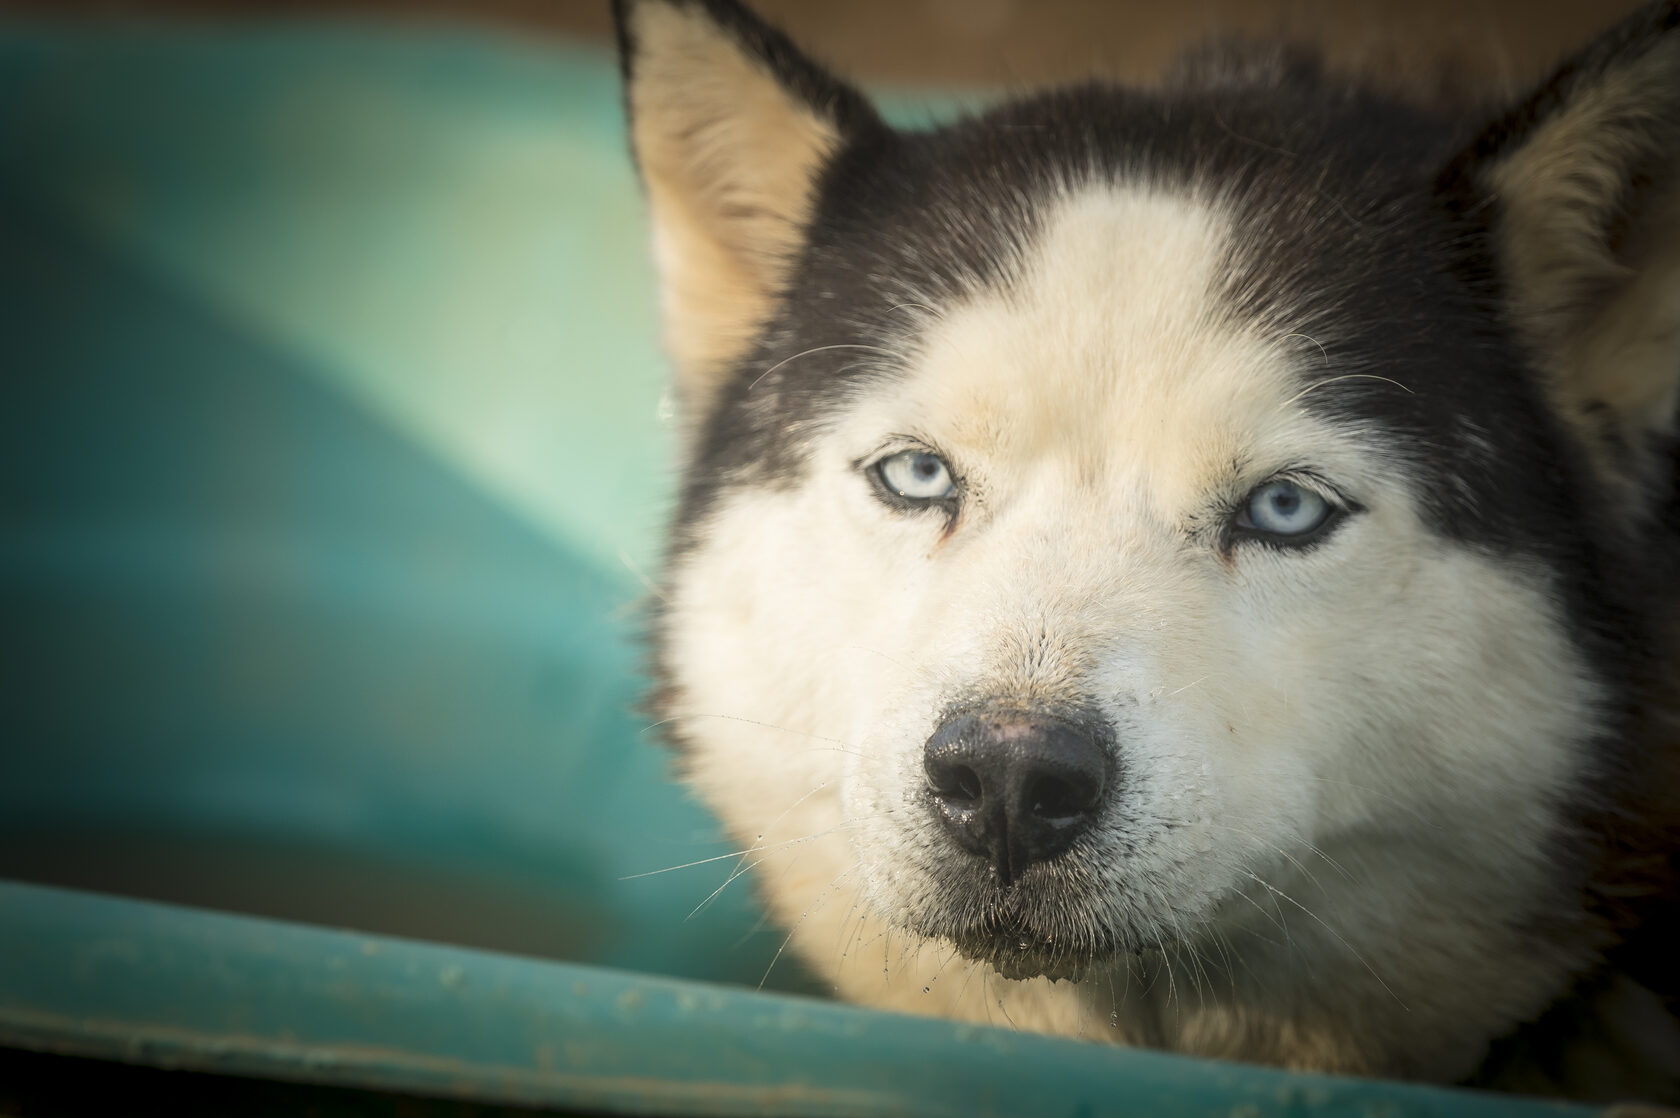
x=328 y=410
x=149 y=983
x=442 y=226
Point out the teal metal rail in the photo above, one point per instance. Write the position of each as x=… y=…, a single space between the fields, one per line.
x=83 y=974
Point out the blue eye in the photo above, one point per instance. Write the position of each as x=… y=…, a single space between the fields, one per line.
x=1284 y=510
x=917 y=476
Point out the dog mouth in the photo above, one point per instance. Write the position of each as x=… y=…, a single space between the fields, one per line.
x=1036 y=927
x=1018 y=951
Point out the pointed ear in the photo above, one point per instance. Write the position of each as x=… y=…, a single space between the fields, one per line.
x=1582 y=184
x=732 y=129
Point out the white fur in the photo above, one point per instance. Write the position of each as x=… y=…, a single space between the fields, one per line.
x=1337 y=765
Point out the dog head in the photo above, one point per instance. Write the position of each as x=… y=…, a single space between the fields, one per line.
x=1113 y=517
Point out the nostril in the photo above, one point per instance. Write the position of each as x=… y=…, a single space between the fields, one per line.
x=956 y=784
x=1061 y=801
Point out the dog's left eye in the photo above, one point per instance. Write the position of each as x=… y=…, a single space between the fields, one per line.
x=1283 y=511
x=917 y=476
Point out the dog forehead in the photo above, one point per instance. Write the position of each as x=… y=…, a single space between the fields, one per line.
x=1113 y=345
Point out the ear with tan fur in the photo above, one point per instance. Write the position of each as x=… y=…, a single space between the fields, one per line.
x=1583 y=180
x=731 y=128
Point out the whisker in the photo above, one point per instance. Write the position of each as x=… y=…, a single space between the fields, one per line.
x=816 y=349
x=1114 y=999
x=920 y=669
x=1321 y=350
x=755 y=849
x=848 y=943
x=813 y=907
x=1337 y=935
x=641 y=576
x=1172 y=984
x=793 y=861
x=1227 y=951
x=940 y=969
x=1003 y=1009
x=969 y=977
x=742 y=870
x=1345 y=376
x=1259 y=842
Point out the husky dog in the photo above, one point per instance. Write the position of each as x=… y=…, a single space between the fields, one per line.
x=1190 y=566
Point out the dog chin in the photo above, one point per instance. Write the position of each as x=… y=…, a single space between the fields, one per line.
x=1018 y=952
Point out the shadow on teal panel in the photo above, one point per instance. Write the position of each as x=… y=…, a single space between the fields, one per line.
x=272 y=645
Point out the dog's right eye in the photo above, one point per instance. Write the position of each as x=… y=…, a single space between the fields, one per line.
x=916 y=477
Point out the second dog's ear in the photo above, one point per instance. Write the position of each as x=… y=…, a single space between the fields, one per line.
x=1581 y=183
x=732 y=128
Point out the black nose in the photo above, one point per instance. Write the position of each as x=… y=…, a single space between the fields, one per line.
x=1015 y=788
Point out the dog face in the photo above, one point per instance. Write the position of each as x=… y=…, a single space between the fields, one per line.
x=1130 y=521
x=1133 y=526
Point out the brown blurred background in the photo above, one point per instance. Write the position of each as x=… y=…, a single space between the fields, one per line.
x=1011 y=42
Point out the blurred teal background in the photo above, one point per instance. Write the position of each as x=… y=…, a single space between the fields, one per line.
x=330 y=479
